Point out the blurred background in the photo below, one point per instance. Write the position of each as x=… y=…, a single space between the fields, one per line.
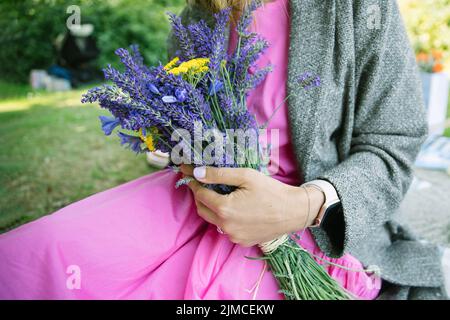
x=53 y=152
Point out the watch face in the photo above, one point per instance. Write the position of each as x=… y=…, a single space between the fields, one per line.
x=331 y=214
x=334 y=225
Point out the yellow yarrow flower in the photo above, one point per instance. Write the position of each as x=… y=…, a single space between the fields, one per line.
x=172 y=63
x=194 y=66
x=148 y=140
x=178 y=70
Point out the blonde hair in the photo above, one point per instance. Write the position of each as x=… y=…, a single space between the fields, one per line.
x=216 y=5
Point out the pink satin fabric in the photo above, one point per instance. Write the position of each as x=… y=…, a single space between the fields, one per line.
x=144 y=239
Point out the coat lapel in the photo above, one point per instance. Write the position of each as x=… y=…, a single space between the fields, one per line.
x=312 y=35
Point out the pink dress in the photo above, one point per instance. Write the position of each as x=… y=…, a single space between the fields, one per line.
x=144 y=239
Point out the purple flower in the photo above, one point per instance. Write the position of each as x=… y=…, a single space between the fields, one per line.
x=132 y=142
x=201 y=36
x=138 y=58
x=169 y=99
x=305 y=76
x=181 y=95
x=242 y=60
x=153 y=88
x=246 y=19
x=219 y=48
x=308 y=80
x=129 y=61
x=181 y=33
x=317 y=82
x=109 y=124
x=215 y=87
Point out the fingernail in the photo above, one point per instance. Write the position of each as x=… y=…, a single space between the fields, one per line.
x=200 y=172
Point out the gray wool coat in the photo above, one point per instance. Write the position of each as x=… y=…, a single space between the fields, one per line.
x=361 y=131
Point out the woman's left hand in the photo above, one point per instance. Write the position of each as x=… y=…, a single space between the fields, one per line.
x=259 y=210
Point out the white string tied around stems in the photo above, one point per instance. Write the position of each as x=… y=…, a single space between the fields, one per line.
x=270 y=246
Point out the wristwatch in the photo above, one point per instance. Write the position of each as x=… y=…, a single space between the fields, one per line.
x=332 y=202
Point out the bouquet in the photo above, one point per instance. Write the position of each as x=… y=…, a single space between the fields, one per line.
x=202 y=92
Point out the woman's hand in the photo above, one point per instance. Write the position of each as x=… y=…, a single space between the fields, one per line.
x=260 y=210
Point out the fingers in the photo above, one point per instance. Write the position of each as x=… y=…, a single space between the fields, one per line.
x=207 y=214
x=209 y=198
x=187 y=170
x=203 y=210
x=229 y=176
x=216 y=203
x=194 y=185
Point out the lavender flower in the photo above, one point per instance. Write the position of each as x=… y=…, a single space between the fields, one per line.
x=169 y=99
x=153 y=88
x=181 y=94
x=219 y=49
x=250 y=48
x=185 y=42
x=108 y=124
x=215 y=87
x=308 y=80
x=132 y=142
x=246 y=19
x=201 y=36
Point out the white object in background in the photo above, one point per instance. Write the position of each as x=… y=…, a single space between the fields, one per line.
x=57 y=84
x=82 y=30
x=37 y=79
x=435 y=153
x=158 y=159
x=435 y=93
x=419 y=184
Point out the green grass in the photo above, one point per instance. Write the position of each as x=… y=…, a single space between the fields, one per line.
x=14 y=91
x=53 y=152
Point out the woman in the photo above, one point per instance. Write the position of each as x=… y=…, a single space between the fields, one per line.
x=356 y=136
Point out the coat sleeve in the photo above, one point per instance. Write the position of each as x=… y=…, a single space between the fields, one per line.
x=389 y=127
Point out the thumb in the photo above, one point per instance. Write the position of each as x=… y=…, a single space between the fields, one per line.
x=229 y=176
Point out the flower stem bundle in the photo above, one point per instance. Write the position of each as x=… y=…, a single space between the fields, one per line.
x=299 y=276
